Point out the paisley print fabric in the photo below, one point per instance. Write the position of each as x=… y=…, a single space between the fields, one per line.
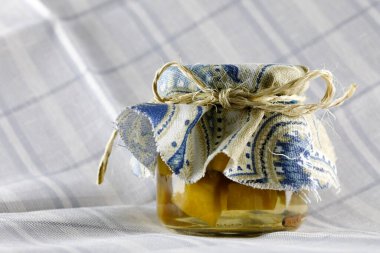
x=266 y=150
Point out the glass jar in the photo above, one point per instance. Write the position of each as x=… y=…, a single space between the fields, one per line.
x=254 y=113
x=216 y=205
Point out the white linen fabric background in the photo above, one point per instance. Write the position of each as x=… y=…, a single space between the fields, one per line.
x=67 y=68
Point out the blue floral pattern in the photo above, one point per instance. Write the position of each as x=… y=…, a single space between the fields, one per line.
x=283 y=153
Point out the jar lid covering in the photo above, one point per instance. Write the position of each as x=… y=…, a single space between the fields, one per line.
x=281 y=153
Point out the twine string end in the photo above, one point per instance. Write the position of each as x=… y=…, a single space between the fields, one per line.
x=104 y=161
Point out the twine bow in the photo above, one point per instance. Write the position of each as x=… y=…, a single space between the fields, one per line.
x=273 y=99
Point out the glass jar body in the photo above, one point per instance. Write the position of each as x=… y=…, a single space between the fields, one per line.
x=216 y=205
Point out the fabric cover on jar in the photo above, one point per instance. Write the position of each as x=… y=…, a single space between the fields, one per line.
x=279 y=153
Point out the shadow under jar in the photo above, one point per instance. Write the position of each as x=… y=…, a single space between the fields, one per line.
x=216 y=205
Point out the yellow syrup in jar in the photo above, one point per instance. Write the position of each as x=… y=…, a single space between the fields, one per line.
x=215 y=205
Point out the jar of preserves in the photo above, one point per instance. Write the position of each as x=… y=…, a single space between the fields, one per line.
x=234 y=149
x=219 y=206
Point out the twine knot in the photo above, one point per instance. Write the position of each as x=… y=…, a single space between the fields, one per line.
x=224 y=97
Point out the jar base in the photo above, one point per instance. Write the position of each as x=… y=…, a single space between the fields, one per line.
x=245 y=223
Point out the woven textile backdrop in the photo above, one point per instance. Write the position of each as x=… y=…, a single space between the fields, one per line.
x=67 y=68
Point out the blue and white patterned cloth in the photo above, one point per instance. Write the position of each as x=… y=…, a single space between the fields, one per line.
x=282 y=153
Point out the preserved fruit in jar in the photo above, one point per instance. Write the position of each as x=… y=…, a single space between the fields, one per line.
x=218 y=205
